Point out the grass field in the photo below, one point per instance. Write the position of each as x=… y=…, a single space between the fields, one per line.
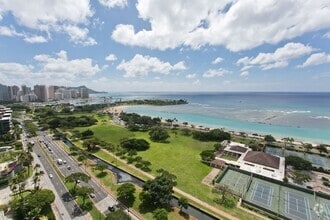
x=181 y=157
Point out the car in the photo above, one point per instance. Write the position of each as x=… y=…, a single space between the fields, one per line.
x=111 y=208
x=77 y=181
x=39 y=155
x=50 y=175
x=64 y=161
x=92 y=195
x=69 y=168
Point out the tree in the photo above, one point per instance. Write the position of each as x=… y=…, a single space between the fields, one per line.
x=159 y=190
x=117 y=215
x=207 y=155
x=186 y=131
x=135 y=144
x=223 y=190
x=74 y=177
x=101 y=167
x=308 y=147
x=36 y=177
x=298 y=163
x=33 y=204
x=87 y=133
x=322 y=148
x=91 y=144
x=268 y=138
x=218 y=147
x=84 y=191
x=125 y=193
x=160 y=214
x=183 y=203
x=158 y=134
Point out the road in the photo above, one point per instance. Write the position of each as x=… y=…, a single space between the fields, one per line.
x=102 y=199
x=56 y=152
x=69 y=203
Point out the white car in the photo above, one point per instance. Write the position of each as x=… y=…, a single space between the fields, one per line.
x=50 y=175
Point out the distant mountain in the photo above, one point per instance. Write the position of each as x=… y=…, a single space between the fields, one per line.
x=91 y=91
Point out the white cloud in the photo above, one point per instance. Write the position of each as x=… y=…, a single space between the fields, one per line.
x=233 y=24
x=35 y=39
x=215 y=73
x=280 y=58
x=52 y=16
x=244 y=73
x=191 y=76
x=61 y=66
x=111 y=57
x=142 y=65
x=79 y=35
x=11 y=32
x=217 y=60
x=245 y=68
x=316 y=59
x=14 y=69
x=113 y=3
x=327 y=35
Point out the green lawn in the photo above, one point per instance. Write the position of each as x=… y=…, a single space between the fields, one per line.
x=106 y=132
x=180 y=156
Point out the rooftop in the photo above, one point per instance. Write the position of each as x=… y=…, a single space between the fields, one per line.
x=262 y=158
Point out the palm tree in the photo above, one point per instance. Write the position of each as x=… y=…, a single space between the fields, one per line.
x=75 y=177
x=183 y=203
x=84 y=191
x=36 y=178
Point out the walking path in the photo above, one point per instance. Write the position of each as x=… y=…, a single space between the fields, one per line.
x=208 y=179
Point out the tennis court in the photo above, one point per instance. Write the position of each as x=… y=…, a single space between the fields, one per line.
x=279 y=199
x=236 y=181
x=262 y=194
x=297 y=206
x=326 y=212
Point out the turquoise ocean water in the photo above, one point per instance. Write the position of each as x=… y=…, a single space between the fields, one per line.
x=303 y=116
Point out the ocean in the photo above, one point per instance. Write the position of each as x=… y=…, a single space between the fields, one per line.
x=303 y=116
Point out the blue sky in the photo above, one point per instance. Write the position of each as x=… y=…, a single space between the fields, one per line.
x=172 y=45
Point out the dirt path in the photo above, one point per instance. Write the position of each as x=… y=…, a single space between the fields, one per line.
x=208 y=179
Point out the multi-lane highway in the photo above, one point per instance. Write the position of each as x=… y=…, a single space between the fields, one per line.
x=101 y=198
x=68 y=165
x=69 y=203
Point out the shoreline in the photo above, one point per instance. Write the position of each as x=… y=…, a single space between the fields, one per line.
x=297 y=141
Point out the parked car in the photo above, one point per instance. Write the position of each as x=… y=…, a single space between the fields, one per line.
x=92 y=195
x=50 y=175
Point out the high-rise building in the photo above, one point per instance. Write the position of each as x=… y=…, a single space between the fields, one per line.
x=5 y=120
x=67 y=94
x=25 y=89
x=4 y=95
x=84 y=93
x=41 y=93
x=58 y=96
x=51 y=92
x=13 y=92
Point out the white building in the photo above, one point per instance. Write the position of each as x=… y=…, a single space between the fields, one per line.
x=241 y=156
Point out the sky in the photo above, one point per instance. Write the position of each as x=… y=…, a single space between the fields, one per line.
x=172 y=45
